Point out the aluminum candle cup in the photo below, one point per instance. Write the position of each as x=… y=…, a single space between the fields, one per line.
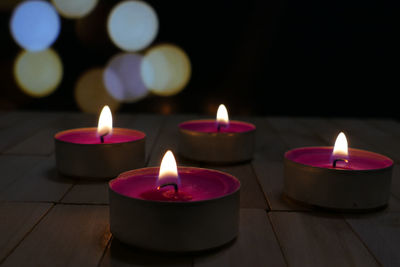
x=80 y=153
x=201 y=140
x=363 y=183
x=202 y=214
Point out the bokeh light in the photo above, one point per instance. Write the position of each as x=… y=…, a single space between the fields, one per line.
x=165 y=69
x=91 y=94
x=38 y=74
x=132 y=25
x=122 y=78
x=74 y=8
x=35 y=25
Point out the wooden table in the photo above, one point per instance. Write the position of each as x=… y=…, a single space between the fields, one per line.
x=49 y=220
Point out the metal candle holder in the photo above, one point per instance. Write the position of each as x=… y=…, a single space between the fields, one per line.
x=99 y=161
x=337 y=188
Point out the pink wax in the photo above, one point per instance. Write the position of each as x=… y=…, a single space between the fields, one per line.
x=90 y=136
x=196 y=184
x=211 y=126
x=322 y=157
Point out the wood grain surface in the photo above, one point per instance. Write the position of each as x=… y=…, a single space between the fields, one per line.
x=47 y=219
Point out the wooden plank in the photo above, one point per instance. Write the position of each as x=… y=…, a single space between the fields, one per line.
x=321 y=127
x=85 y=192
x=251 y=194
x=39 y=183
x=147 y=123
x=256 y=245
x=394 y=204
x=28 y=126
x=381 y=233
x=70 y=235
x=168 y=138
x=270 y=175
x=13 y=168
x=42 y=142
x=388 y=126
x=268 y=143
x=328 y=131
x=119 y=254
x=287 y=133
x=13 y=118
x=283 y=124
x=310 y=239
x=97 y=192
x=16 y=221
x=293 y=133
x=267 y=164
x=395 y=187
x=2 y=113
x=392 y=128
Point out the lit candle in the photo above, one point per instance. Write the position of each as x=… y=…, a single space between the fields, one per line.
x=174 y=208
x=222 y=117
x=101 y=152
x=104 y=127
x=168 y=184
x=218 y=141
x=338 y=177
x=340 y=150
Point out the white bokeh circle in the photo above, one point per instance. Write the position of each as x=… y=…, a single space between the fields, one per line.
x=132 y=25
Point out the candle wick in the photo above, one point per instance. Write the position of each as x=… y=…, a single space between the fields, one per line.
x=220 y=125
x=171 y=184
x=336 y=160
x=102 y=137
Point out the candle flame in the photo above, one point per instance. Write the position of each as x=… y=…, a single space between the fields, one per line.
x=168 y=170
x=222 y=115
x=105 y=121
x=341 y=148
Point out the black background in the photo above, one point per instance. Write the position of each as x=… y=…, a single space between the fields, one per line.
x=319 y=58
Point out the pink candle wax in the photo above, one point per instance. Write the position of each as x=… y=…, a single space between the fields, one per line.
x=322 y=157
x=195 y=184
x=211 y=126
x=90 y=136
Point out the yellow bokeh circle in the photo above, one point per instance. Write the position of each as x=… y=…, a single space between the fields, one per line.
x=38 y=74
x=165 y=69
x=91 y=94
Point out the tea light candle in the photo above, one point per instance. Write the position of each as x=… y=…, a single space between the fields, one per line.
x=174 y=209
x=99 y=153
x=217 y=141
x=338 y=178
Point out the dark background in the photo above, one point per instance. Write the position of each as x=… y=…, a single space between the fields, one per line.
x=319 y=58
